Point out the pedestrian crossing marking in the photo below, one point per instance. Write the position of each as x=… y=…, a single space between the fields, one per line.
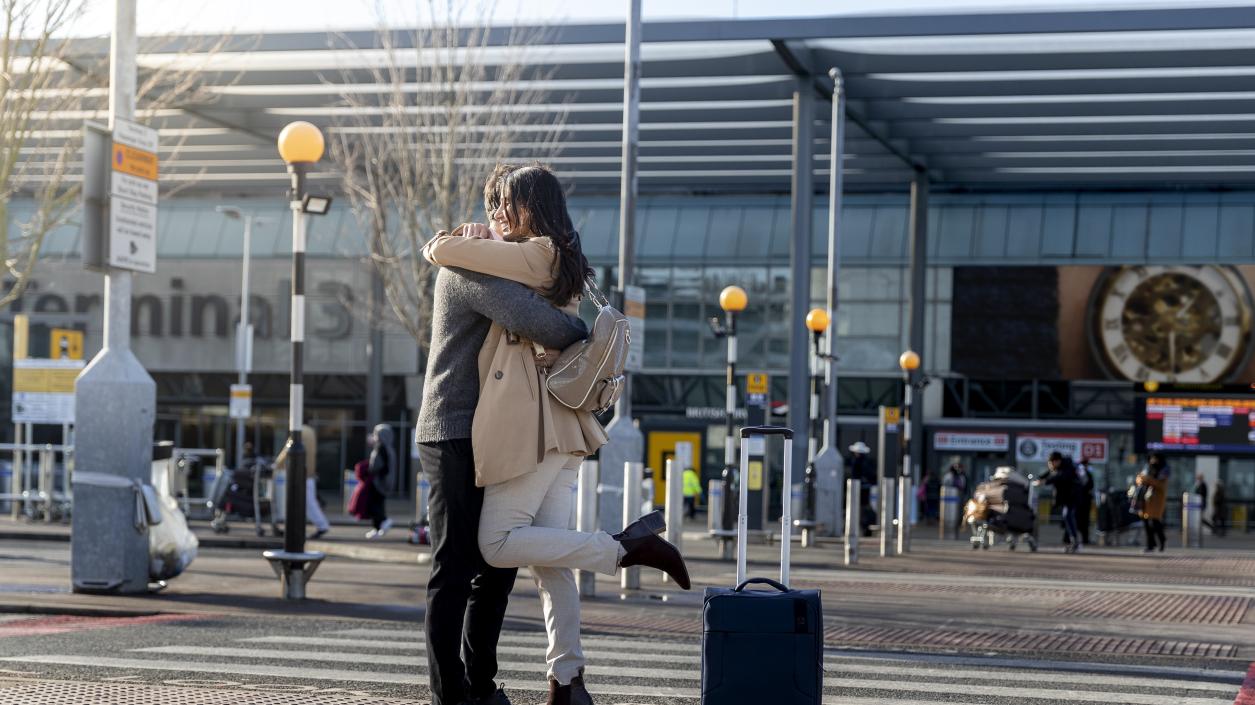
x=672 y=669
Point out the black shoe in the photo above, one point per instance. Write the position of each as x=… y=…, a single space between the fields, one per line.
x=496 y=698
x=653 y=552
x=318 y=534
x=651 y=524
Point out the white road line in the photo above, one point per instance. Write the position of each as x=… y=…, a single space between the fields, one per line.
x=538 y=666
x=972 y=689
x=679 y=644
x=515 y=639
x=682 y=667
x=1075 y=678
x=1156 y=671
x=324 y=674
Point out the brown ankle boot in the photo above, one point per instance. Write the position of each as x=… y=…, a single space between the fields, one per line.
x=573 y=694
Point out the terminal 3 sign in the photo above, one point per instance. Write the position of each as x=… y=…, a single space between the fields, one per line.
x=186 y=322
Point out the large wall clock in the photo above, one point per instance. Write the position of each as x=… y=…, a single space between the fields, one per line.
x=1171 y=323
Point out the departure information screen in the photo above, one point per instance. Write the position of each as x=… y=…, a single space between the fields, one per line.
x=1181 y=421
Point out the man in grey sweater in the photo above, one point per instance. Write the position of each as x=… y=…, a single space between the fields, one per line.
x=466 y=599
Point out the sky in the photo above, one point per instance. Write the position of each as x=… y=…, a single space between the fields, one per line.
x=222 y=16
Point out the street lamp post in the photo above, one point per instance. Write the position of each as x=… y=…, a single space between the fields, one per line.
x=909 y=361
x=732 y=300
x=816 y=322
x=243 y=331
x=301 y=146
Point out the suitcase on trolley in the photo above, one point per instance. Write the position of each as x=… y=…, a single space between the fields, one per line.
x=762 y=647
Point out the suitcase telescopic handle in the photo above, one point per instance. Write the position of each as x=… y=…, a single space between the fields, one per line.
x=760 y=581
x=786 y=520
x=785 y=431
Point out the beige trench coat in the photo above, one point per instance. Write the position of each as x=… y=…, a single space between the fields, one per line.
x=516 y=421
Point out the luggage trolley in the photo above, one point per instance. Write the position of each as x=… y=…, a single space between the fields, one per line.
x=1003 y=508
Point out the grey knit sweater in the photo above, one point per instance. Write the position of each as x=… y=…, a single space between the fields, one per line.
x=464 y=307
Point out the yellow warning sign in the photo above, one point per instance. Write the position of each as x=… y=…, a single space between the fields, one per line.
x=755 y=478
x=756 y=383
x=44 y=379
x=890 y=415
x=135 y=162
x=66 y=344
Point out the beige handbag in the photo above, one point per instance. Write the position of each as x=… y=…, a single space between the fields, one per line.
x=588 y=376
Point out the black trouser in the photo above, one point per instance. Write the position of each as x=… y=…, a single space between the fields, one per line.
x=1154 y=529
x=466 y=598
x=377 y=506
x=1082 y=520
x=690 y=507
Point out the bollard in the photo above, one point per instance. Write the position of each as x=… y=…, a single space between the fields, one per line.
x=47 y=469
x=949 y=512
x=16 y=479
x=674 y=508
x=714 y=520
x=906 y=506
x=888 y=524
x=1191 y=520
x=853 y=528
x=586 y=518
x=347 y=486
x=633 y=473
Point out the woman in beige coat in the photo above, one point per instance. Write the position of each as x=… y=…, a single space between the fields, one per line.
x=527 y=446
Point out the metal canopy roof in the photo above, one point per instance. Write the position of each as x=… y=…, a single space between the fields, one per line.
x=1144 y=98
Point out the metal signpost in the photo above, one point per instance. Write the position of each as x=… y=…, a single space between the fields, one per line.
x=115 y=397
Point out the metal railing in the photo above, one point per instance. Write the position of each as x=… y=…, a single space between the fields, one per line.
x=32 y=486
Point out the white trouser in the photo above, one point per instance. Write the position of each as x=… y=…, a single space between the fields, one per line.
x=312 y=510
x=527 y=522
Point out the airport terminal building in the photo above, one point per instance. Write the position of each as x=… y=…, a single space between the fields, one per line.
x=1090 y=224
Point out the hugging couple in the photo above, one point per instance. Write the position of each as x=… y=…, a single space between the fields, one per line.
x=501 y=454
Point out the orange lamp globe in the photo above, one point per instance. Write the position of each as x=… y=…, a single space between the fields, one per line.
x=909 y=361
x=301 y=142
x=817 y=320
x=733 y=299
x=1151 y=386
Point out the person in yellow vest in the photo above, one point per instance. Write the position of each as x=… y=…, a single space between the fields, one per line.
x=692 y=491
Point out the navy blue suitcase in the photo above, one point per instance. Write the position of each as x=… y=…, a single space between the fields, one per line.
x=762 y=646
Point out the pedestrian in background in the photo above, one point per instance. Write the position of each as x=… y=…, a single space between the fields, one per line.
x=313 y=510
x=382 y=462
x=1219 y=510
x=1200 y=489
x=692 y=492
x=956 y=477
x=1084 y=498
x=863 y=469
x=1151 y=496
x=1061 y=474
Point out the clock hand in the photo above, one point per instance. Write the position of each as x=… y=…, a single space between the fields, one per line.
x=1172 y=350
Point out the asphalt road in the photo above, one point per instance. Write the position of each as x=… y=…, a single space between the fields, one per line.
x=369 y=661
x=939 y=626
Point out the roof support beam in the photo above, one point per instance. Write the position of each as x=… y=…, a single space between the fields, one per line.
x=795 y=64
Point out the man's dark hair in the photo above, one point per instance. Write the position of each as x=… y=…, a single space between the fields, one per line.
x=536 y=191
x=1056 y=457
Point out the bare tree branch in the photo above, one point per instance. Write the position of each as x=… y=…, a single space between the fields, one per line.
x=44 y=85
x=414 y=146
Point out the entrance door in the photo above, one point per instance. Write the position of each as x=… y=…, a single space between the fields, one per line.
x=661 y=445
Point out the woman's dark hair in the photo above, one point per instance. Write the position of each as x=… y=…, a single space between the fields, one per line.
x=534 y=190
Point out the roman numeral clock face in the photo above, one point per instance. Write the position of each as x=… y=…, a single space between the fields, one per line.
x=1172 y=323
